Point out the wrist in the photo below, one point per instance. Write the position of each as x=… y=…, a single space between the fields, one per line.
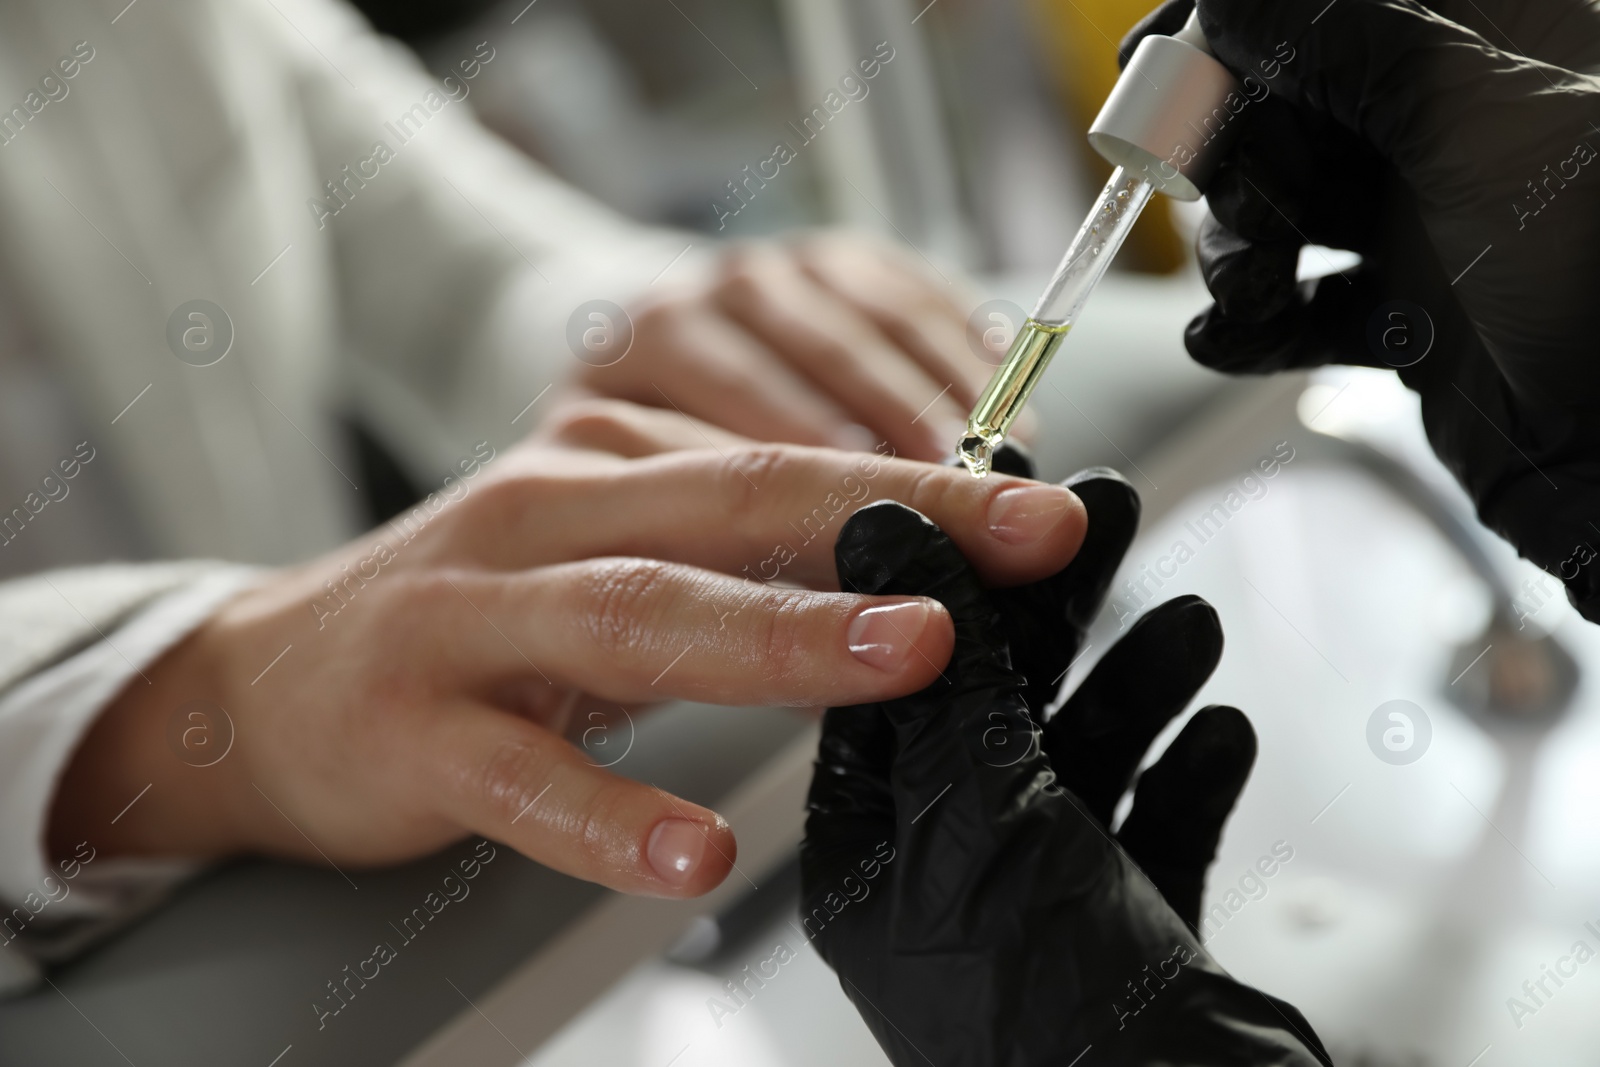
x=146 y=778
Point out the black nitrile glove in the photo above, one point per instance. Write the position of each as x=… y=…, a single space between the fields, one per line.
x=1452 y=143
x=958 y=871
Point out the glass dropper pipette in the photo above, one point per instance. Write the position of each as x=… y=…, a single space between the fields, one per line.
x=1162 y=127
x=1081 y=269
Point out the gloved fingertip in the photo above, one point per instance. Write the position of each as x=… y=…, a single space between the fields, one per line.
x=1014 y=459
x=1222 y=741
x=1113 y=504
x=880 y=542
x=1216 y=340
x=1201 y=340
x=1251 y=281
x=1167 y=19
x=1186 y=626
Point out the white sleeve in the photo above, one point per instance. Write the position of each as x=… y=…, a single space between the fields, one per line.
x=459 y=260
x=72 y=641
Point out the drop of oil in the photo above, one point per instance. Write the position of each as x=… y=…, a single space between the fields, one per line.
x=976 y=453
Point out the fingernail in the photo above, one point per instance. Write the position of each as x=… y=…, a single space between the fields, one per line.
x=1024 y=516
x=675 y=849
x=882 y=637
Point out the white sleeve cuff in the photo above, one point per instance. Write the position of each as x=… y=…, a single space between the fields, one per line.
x=52 y=910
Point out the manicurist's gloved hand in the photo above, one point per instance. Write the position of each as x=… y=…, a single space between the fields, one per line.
x=1453 y=144
x=958 y=869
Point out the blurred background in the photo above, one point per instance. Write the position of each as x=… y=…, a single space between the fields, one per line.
x=971 y=148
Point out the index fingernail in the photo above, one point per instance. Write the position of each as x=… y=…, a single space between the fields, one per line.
x=884 y=636
x=1024 y=516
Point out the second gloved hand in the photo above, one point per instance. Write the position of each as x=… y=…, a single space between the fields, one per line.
x=959 y=873
x=1452 y=144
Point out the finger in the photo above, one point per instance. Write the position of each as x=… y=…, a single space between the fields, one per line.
x=841 y=352
x=630 y=430
x=971 y=724
x=694 y=360
x=514 y=782
x=637 y=630
x=850 y=827
x=766 y=512
x=1167 y=19
x=1559 y=33
x=1045 y=622
x=969 y=782
x=911 y=309
x=1010 y=458
x=850 y=806
x=1294 y=174
x=1324 y=322
x=1183 y=801
x=1537 y=492
x=1394 y=74
x=1098 y=738
x=1251 y=281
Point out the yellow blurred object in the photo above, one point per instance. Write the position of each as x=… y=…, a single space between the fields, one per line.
x=1080 y=49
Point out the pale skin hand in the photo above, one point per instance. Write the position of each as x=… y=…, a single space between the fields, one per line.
x=577 y=567
x=833 y=340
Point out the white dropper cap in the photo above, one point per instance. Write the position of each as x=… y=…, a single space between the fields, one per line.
x=1171 y=112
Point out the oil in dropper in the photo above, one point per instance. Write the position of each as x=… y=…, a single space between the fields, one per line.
x=1081 y=269
x=1007 y=391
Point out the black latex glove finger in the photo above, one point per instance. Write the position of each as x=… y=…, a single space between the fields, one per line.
x=1251 y=281
x=1182 y=802
x=1045 y=622
x=1167 y=19
x=1011 y=458
x=966 y=748
x=1101 y=734
x=851 y=779
x=1456 y=117
x=1535 y=480
x=887 y=549
x=1324 y=321
x=1552 y=31
x=850 y=822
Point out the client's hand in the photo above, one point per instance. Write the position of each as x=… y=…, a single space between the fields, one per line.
x=414 y=686
x=958 y=869
x=835 y=339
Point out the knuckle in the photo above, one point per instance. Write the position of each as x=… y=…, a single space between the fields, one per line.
x=425 y=589
x=501 y=500
x=512 y=775
x=749 y=274
x=931 y=491
x=589 y=420
x=593 y=828
x=665 y=317
x=623 y=598
x=781 y=636
x=741 y=284
x=749 y=467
